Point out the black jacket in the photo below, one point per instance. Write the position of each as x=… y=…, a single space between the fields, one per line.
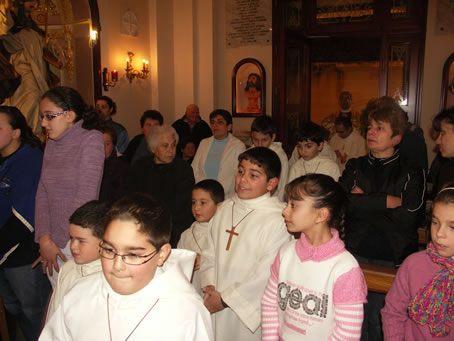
x=372 y=230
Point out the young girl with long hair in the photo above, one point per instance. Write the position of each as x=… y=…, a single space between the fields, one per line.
x=316 y=289
x=71 y=174
x=420 y=303
x=24 y=290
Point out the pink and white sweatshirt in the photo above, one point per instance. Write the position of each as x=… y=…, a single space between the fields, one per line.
x=314 y=291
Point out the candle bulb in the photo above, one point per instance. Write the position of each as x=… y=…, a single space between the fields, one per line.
x=143 y=65
x=127 y=63
x=115 y=76
x=146 y=65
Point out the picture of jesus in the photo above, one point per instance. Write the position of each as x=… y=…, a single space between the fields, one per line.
x=253 y=91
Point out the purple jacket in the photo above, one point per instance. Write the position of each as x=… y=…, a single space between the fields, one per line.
x=416 y=271
x=71 y=175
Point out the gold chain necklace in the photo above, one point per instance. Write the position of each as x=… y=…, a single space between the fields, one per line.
x=137 y=325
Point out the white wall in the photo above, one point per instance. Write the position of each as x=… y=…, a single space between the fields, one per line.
x=132 y=98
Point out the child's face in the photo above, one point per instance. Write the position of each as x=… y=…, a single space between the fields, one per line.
x=343 y=132
x=203 y=207
x=442 y=229
x=262 y=140
x=219 y=127
x=251 y=181
x=308 y=149
x=108 y=145
x=300 y=215
x=380 y=139
x=188 y=151
x=83 y=244
x=123 y=237
x=446 y=139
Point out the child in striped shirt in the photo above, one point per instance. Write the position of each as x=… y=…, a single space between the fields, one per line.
x=316 y=289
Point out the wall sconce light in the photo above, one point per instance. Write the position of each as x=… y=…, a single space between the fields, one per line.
x=131 y=73
x=106 y=82
x=93 y=38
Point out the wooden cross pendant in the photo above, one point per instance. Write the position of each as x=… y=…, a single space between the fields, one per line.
x=232 y=233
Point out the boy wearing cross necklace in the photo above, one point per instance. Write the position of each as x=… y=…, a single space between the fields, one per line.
x=143 y=290
x=245 y=234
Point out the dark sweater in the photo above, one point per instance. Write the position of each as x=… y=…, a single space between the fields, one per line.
x=171 y=183
x=19 y=177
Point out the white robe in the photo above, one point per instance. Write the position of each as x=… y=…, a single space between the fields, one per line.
x=195 y=239
x=179 y=313
x=229 y=162
x=353 y=145
x=277 y=148
x=69 y=273
x=326 y=151
x=317 y=165
x=241 y=273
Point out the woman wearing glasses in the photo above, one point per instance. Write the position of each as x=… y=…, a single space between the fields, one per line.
x=71 y=174
x=23 y=289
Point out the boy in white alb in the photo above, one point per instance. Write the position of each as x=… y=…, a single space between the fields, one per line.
x=310 y=142
x=207 y=195
x=263 y=134
x=143 y=291
x=86 y=228
x=245 y=236
x=347 y=142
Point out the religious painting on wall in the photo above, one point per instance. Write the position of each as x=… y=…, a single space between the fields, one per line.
x=248 y=88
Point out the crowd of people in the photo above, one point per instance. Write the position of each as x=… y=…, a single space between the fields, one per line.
x=150 y=237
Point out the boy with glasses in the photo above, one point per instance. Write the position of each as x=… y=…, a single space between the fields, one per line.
x=144 y=290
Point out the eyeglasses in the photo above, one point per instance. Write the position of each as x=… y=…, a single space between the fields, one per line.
x=50 y=117
x=130 y=258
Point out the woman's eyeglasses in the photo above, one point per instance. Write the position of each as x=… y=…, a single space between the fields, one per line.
x=51 y=116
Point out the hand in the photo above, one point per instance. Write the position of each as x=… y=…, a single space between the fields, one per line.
x=49 y=252
x=197 y=262
x=357 y=190
x=338 y=153
x=343 y=158
x=393 y=201
x=212 y=299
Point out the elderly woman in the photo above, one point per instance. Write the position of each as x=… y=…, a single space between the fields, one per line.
x=167 y=178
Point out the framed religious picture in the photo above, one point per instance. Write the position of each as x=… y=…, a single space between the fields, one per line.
x=248 y=88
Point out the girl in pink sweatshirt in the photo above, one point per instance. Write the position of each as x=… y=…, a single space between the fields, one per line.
x=316 y=289
x=420 y=303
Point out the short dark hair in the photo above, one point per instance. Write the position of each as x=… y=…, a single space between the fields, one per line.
x=224 y=113
x=150 y=215
x=264 y=158
x=152 y=115
x=385 y=109
x=311 y=131
x=112 y=105
x=445 y=116
x=343 y=121
x=213 y=187
x=445 y=195
x=110 y=131
x=263 y=124
x=91 y=215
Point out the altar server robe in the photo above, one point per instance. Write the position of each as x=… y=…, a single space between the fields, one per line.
x=177 y=314
x=240 y=274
